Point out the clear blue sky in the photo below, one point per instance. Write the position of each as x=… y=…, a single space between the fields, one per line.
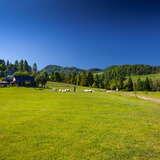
x=83 y=33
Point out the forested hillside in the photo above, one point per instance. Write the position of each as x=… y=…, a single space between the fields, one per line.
x=126 y=70
x=120 y=77
x=129 y=70
x=55 y=68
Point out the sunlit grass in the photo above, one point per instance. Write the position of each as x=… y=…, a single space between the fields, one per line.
x=150 y=94
x=44 y=125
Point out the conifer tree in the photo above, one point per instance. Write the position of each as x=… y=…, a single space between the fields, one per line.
x=34 y=68
x=129 y=85
x=147 y=86
x=90 y=79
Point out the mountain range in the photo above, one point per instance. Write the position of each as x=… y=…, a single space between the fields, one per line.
x=56 y=68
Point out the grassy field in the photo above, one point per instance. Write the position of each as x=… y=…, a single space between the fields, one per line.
x=150 y=94
x=43 y=125
x=54 y=85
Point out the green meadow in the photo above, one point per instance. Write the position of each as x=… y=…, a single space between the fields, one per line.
x=150 y=94
x=37 y=124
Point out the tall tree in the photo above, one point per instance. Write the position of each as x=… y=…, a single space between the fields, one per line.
x=129 y=85
x=21 y=66
x=26 y=66
x=83 y=81
x=34 y=68
x=147 y=86
x=139 y=85
x=57 y=77
x=41 y=79
x=90 y=79
x=96 y=81
x=7 y=64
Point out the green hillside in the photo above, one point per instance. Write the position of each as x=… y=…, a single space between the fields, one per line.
x=143 y=77
x=55 y=68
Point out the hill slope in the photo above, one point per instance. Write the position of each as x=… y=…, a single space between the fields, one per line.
x=56 y=68
x=136 y=69
x=143 y=77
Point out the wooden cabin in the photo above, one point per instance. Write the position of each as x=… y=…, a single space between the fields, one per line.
x=23 y=80
x=4 y=84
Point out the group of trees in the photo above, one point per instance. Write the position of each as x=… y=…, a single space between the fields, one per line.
x=108 y=80
x=120 y=77
x=76 y=78
x=8 y=68
x=139 y=69
x=146 y=84
x=99 y=80
x=41 y=79
x=23 y=69
x=115 y=77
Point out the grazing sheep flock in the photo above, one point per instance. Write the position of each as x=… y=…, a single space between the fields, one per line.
x=70 y=90
x=64 y=90
x=88 y=91
x=61 y=90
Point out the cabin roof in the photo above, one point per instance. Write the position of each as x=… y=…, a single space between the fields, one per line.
x=4 y=82
x=24 y=79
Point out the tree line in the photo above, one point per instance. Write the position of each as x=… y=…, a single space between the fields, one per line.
x=115 y=77
x=8 y=68
x=107 y=80
x=136 y=69
x=23 y=69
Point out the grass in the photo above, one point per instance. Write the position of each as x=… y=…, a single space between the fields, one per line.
x=44 y=125
x=55 y=85
x=150 y=94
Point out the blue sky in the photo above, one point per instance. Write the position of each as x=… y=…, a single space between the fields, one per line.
x=82 y=33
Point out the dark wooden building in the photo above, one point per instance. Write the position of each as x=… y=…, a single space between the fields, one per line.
x=4 y=84
x=24 y=80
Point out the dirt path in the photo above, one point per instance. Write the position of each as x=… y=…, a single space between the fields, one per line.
x=155 y=100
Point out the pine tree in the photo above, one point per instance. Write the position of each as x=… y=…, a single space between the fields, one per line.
x=147 y=86
x=90 y=79
x=7 y=63
x=83 y=81
x=34 y=68
x=21 y=66
x=120 y=84
x=96 y=81
x=16 y=65
x=78 y=79
x=129 y=85
x=57 y=77
x=139 y=85
x=73 y=78
x=26 y=67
